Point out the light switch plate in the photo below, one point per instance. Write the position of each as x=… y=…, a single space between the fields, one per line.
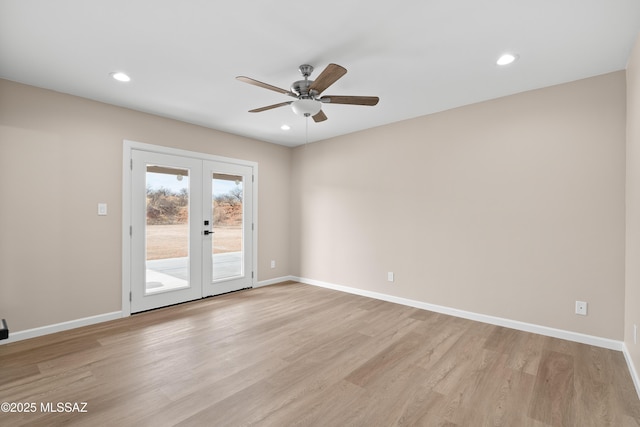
x=102 y=209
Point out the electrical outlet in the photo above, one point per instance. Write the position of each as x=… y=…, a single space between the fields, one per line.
x=581 y=308
x=273 y=263
x=390 y=276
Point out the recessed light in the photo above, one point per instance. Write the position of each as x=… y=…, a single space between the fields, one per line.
x=120 y=76
x=285 y=127
x=507 y=59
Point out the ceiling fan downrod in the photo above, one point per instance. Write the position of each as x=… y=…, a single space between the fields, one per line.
x=301 y=87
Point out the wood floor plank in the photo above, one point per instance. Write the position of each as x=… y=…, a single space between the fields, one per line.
x=18 y=372
x=298 y=355
x=526 y=354
x=553 y=396
x=398 y=398
x=340 y=404
x=386 y=360
x=623 y=400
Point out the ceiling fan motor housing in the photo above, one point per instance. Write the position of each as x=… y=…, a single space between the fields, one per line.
x=301 y=88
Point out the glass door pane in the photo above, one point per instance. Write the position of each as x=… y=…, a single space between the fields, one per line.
x=167 y=228
x=228 y=215
x=228 y=219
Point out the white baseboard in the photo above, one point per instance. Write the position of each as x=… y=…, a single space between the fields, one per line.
x=632 y=368
x=59 y=327
x=274 y=281
x=508 y=323
x=513 y=324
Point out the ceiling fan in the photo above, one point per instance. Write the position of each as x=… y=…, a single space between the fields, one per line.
x=307 y=92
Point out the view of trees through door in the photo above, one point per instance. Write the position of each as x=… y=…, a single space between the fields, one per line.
x=168 y=216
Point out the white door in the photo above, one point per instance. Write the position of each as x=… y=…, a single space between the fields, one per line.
x=227 y=246
x=191 y=233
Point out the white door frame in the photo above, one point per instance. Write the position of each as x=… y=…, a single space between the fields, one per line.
x=128 y=147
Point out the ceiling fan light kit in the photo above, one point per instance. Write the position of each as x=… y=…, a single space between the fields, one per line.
x=306 y=107
x=309 y=102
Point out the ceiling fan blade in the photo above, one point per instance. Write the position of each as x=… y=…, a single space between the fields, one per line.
x=269 y=107
x=351 y=100
x=327 y=77
x=319 y=117
x=264 y=85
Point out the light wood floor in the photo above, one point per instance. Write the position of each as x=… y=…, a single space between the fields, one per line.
x=294 y=354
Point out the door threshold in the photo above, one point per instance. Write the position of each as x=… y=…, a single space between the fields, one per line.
x=190 y=301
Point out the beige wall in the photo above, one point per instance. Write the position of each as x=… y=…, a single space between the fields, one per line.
x=632 y=294
x=511 y=208
x=59 y=156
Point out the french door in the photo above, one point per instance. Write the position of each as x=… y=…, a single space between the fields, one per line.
x=191 y=228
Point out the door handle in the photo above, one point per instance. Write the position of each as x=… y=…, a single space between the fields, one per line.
x=207 y=232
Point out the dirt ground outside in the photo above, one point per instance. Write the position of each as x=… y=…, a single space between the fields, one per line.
x=171 y=241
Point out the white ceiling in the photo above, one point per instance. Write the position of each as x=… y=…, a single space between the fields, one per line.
x=418 y=56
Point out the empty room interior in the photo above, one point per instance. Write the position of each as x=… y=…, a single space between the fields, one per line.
x=328 y=214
